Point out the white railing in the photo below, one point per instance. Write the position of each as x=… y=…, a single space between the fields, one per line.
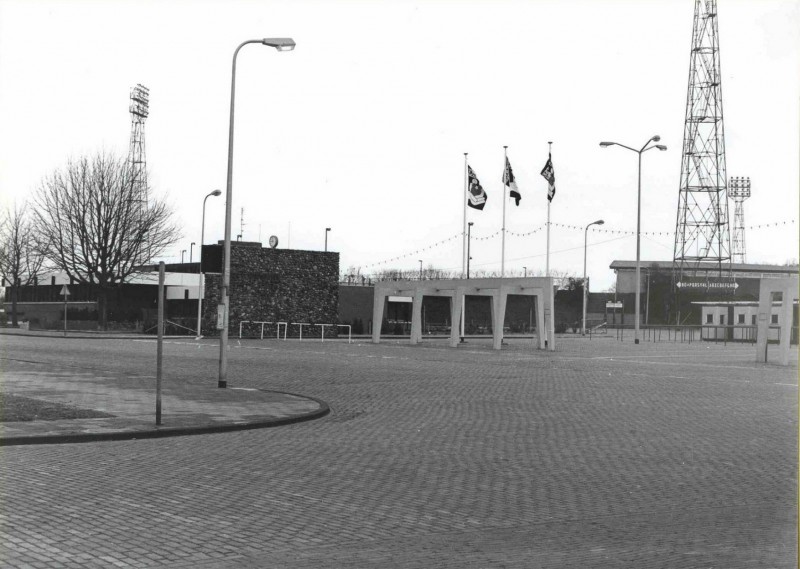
x=300 y=324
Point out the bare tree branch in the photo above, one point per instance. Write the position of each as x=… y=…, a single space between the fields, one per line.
x=96 y=226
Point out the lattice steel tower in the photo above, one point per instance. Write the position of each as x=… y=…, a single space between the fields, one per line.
x=701 y=231
x=139 y=109
x=739 y=190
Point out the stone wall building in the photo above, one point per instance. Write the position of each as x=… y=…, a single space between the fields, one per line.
x=273 y=285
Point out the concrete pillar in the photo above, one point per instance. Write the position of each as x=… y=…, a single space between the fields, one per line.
x=788 y=288
x=541 y=333
x=499 y=299
x=456 y=302
x=416 y=317
x=378 y=303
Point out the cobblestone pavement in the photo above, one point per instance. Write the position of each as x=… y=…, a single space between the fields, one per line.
x=602 y=454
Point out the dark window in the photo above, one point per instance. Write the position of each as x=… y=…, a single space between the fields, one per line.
x=186 y=294
x=774 y=318
x=754 y=320
x=741 y=319
x=709 y=318
x=722 y=319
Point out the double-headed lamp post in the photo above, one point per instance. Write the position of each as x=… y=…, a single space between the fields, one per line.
x=585 y=285
x=200 y=290
x=281 y=44
x=644 y=148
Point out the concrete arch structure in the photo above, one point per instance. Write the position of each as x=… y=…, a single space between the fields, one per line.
x=457 y=289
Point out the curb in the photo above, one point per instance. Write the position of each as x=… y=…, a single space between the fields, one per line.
x=163 y=432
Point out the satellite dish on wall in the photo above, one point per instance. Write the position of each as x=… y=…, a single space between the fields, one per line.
x=273 y=241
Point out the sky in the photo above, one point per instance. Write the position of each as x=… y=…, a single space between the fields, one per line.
x=363 y=127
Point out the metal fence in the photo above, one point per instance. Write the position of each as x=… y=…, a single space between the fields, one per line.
x=734 y=333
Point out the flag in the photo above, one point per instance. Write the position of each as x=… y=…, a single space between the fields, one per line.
x=477 y=197
x=508 y=180
x=550 y=175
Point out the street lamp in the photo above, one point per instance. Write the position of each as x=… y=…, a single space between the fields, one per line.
x=327 y=230
x=585 y=287
x=525 y=272
x=469 y=237
x=200 y=288
x=281 y=44
x=182 y=252
x=420 y=269
x=644 y=148
x=191 y=249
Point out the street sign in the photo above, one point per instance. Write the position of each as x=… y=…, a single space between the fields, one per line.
x=64 y=291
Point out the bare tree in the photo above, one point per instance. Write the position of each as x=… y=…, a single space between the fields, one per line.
x=21 y=257
x=96 y=226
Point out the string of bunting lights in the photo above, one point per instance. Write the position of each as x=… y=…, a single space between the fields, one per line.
x=552 y=224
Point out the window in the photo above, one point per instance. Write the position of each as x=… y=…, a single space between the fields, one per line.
x=709 y=318
x=774 y=318
x=741 y=319
x=722 y=319
x=186 y=294
x=755 y=320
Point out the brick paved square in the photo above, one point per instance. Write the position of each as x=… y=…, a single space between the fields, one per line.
x=602 y=454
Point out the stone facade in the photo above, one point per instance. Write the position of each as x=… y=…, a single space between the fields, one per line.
x=276 y=285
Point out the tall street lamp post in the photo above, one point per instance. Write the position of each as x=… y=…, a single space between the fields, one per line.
x=420 y=269
x=182 y=252
x=200 y=289
x=327 y=230
x=281 y=44
x=191 y=250
x=643 y=149
x=525 y=272
x=585 y=285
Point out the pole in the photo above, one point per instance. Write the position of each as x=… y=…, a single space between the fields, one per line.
x=201 y=287
x=224 y=291
x=638 y=259
x=464 y=199
x=464 y=259
x=65 y=315
x=420 y=269
x=585 y=247
x=469 y=240
x=547 y=257
x=503 y=236
x=160 y=343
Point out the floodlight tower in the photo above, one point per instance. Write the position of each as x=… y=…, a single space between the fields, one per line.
x=701 y=230
x=139 y=109
x=739 y=190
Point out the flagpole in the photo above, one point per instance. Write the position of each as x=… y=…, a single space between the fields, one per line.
x=464 y=199
x=547 y=262
x=505 y=198
x=464 y=227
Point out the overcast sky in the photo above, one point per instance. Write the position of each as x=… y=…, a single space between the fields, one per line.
x=364 y=126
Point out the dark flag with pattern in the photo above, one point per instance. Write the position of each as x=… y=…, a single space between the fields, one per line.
x=508 y=180
x=550 y=175
x=477 y=197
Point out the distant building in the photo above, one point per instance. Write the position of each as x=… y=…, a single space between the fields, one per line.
x=659 y=304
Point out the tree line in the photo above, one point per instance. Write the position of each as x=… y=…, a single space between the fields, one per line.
x=88 y=220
